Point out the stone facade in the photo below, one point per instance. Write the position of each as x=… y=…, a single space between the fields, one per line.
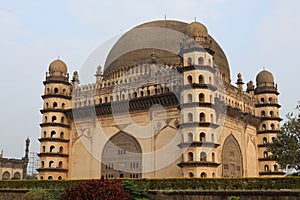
x=156 y=113
x=11 y=168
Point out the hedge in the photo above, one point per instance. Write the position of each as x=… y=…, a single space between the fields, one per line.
x=173 y=183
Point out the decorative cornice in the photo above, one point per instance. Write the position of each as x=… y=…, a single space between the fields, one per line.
x=245 y=117
x=272 y=118
x=52 y=110
x=197 y=124
x=198 y=164
x=53 y=140
x=200 y=86
x=54 y=124
x=196 y=104
x=49 y=154
x=52 y=170
x=267 y=105
x=45 y=96
x=124 y=106
x=268 y=131
x=65 y=82
x=197 y=144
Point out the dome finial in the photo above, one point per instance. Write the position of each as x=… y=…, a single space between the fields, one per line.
x=195 y=19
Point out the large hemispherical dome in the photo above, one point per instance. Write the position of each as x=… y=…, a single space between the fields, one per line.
x=134 y=47
x=58 y=66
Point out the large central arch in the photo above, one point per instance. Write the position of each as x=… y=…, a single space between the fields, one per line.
x=232 y=160
x=122 y=157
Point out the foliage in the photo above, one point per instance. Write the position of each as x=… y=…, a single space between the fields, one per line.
x=285 y=148
x=136 y=191
x=292 y=182
x=233 y=198
x=36 y=194
x=96 y=189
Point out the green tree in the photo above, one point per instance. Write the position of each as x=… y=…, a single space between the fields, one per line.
x=285 y=148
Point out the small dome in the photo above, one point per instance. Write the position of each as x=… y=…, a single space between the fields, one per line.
x=196 y=29
x=264 y=77
x=58 y=66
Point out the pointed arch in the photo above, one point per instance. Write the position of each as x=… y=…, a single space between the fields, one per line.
x=119 y=151
x=232 y=158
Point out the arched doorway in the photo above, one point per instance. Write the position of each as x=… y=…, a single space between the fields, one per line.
x=122 y=157
x=232 y=161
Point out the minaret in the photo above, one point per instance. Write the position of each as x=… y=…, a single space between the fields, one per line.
x=54 y=141
x=198 y=126
x=26 y=158
x=267 y=108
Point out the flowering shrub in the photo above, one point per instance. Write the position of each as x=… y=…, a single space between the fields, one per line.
x=96 y=189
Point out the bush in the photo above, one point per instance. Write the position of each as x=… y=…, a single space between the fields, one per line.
x=136 y=191
x=36 y=194
x=96 y=189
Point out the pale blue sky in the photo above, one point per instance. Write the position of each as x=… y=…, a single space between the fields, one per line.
x=253 y=34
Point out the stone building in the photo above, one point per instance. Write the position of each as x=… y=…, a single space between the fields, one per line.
x=11 y=168
x=164 y=106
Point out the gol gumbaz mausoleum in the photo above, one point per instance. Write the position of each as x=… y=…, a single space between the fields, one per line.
x=162 y=106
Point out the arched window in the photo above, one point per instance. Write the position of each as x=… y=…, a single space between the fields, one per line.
x=55 y=90
x=42 y=164
x=265 y=141
x=44 y=149
x=100 y=100
x=203 y=175
x=202 y=117
x=135 y=95
x=123 y=96
x=190 y=61
x=60 y=164
x=264 y=127
x=271 y=114
x=41 y=177
x=51 y=164
x=105 y=99
x=270 y=100
x=148 y=92
x=189 y=98
x=213 y=175
x=62 y=120
x=190 y=137
x=201 y=79
x=202 y=137
x=213 y=158
x=53 y=134
x=52 y=149
x=61 y=149
x=61 y=134
x=6 y=175
x=200 y=61
x=272 y=127
x=142 y=93
x=190 y=117
x=265 y=154
x=275 y=168
x=262 y=100
x=212 y=118
x=210 y=99
x=45 y=134
x=64 y=91
x=190 y=79
x=212 y=137
x=46 y=119
x=210 y=80
x=54 y=119
x=59 y=178
x=63 y=105
x=201 y=97
x=190 y=156
x=263 y=113
x=191 y=175
x=55 y=105
x=266 y=168
x=202 y=156
x=50 y=177
x=47 y=105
